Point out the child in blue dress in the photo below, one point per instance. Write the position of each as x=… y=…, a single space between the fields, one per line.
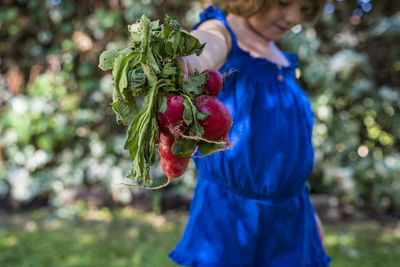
x=251 y=205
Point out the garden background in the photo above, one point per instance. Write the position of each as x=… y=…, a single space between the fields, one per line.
x=62 y=156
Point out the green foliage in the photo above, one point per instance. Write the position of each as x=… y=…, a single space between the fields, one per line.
x=58 y=130
x=356 y=134
x=149 y=67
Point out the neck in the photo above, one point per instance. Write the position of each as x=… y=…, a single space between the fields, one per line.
x=256 y=32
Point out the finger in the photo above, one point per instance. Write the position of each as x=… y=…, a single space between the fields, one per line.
x=183 y=65
x=192 y=63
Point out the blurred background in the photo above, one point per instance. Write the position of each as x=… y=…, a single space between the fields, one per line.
x=61 y=150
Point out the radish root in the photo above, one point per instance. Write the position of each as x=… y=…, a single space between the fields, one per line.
x=227 y=146
x=218 y=150
x=229 y=73
x=195 y=151
x=175 y=131
x=148 y=188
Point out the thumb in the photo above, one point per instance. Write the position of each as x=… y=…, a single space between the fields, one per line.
x=182 y=63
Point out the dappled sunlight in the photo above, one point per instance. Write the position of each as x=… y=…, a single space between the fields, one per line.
x=73 y=260
x=390 y=235
x=339 y=240
x=132 y=232
x=158 y=221
x=363 y=243
x=31 y=226
x=89 y=237
x=10 y=241
x=100 y=215
x=131 y=237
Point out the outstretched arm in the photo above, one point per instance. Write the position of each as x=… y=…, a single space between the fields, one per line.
x=218 y=44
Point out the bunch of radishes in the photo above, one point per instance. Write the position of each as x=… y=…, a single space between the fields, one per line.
x=181 y=115
x=172 y=126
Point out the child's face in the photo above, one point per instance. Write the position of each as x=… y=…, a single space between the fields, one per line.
x=273 y=23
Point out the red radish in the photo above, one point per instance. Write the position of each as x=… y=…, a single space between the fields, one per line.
x=172 y=117
x=217 y=125
x=214 y=83
x=172 y=165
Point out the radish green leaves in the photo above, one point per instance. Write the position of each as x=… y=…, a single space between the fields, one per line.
x=149 y=68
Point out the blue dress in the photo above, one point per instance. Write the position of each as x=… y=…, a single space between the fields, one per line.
x=251 y=205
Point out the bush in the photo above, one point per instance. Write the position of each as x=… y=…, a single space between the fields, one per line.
x=58 y=130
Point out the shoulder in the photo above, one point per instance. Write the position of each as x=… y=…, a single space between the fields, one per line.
x=213 y=24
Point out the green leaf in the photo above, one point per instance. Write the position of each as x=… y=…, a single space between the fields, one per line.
x=125 y=110
x=126 y=51
x=195 y=84
x=202 y=116
x=196 y=129
x=206 y=148
x=191 y=45
x=136 y=79
x=140 y=139
x=170 y=89
x=183 y=147
x=122 y=64
x=151 y=60
x=187 y=113
x=169 y=70
x=150 y=68
x=134 y=29
x=107 y=58
x=165 y=33
x=162 y=103
x=151 y=76
x=155 y=25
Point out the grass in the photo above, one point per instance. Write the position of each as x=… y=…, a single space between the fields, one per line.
x=124 y=237
x=127 y=237
x=363 y=243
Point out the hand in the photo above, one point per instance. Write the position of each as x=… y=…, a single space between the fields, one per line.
x=320 y=227
x=188 y=64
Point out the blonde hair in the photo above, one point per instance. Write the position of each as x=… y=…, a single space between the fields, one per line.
x=248 y=8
